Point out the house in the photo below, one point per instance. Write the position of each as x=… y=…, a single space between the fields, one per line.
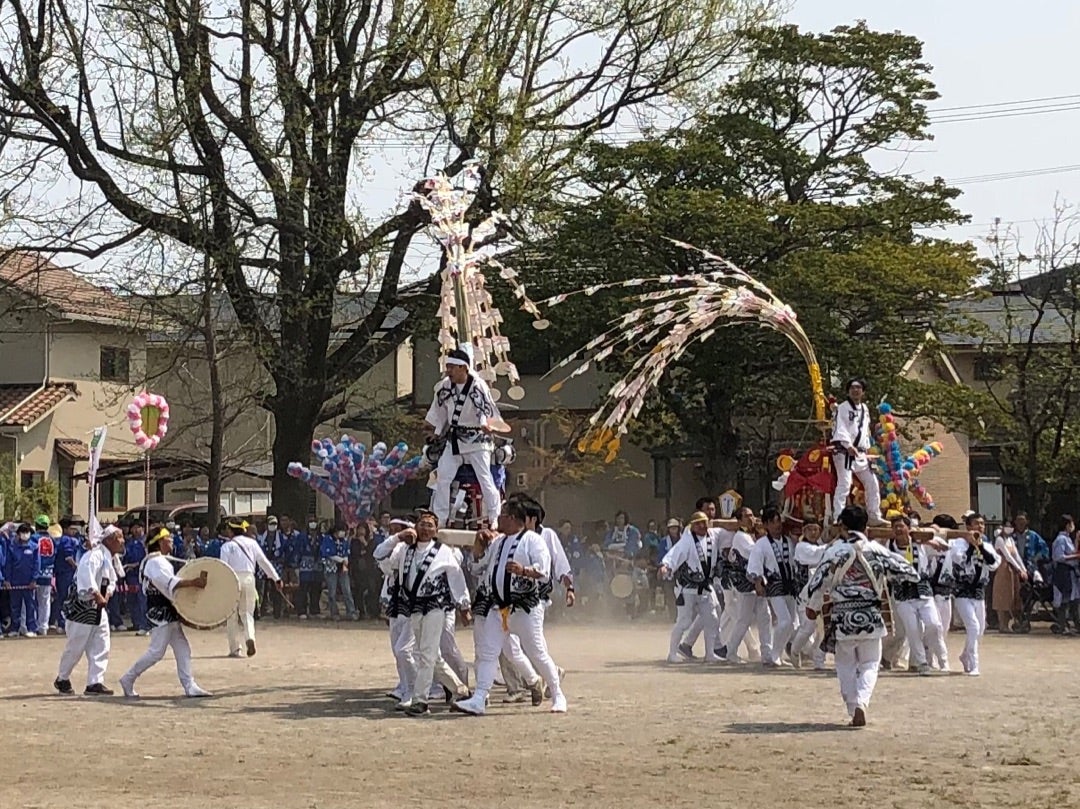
x=178 y=368
x=73 y=356
x=1039 y=311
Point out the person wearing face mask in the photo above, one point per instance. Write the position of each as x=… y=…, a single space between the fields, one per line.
x=310 y=575
x=243 y=554
x=20 y=576
x=1005 y=587
x=334 y=552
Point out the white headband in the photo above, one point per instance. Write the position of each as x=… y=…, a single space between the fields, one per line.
x=456 y=361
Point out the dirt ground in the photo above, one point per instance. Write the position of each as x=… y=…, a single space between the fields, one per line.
x=304 y=725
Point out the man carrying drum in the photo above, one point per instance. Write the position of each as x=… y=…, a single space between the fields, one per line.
x=159 y=580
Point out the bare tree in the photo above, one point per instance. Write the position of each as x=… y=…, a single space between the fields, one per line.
x=275 y=109
x=1029 y=364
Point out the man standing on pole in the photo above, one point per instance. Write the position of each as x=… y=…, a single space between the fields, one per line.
x=463 y=414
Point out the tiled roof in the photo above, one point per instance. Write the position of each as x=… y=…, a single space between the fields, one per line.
x=25 y=405
x=73 y=448
x=61 y=288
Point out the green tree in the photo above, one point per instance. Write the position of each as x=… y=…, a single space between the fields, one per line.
x=245 y=130
x=778 y=178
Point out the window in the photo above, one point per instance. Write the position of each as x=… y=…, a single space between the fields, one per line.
x=115 y=364
x=28 y=480
x=112 y=495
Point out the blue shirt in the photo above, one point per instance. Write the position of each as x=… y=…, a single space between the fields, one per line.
x=46 y=546
x=330 y=545
x=67 y=547
x=309 y=557
x=23 y=565
x=178 y=545
x=575 y=552
x=293 y=548
x=633 y=540
x=134 y=553
x=1033 y=547
x=213 y=548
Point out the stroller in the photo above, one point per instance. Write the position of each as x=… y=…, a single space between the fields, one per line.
x=1037 y=597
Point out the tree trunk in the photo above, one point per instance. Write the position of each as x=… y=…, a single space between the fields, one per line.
x=217 y=407
x=294 y=428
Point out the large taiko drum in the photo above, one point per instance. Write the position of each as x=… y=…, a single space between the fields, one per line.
x=209 y=607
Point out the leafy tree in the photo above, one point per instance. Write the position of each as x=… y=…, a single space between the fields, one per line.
x=244 y=131
x=777 y=177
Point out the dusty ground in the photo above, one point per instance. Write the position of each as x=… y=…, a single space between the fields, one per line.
x=304 y=724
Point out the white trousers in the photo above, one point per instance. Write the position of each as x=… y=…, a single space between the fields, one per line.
x=44 y=603
x=894 y=645
x=517 y=672
x=944 y=606
x=808 y=637
x=860 y=468
x=694 y=606
x=783 y=609
x=161 y=638
x=922 y=625
x=857 y=670
x=449 y=463
x=728 y=615
x=403 y=646
x=972 y=612
x=449 y=648
x=242 y=621
x=749 y=609
x=92 y=641
x=428 y=631
x=490 y=636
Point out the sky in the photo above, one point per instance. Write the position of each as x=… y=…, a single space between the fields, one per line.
x=984 y=52
x=988 y=52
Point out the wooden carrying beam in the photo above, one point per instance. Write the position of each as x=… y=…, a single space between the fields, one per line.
x=452 y=536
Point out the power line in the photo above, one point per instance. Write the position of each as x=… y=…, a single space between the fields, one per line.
x=1012 y=175
x=1004 y=104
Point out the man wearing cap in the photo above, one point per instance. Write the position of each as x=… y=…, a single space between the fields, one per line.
x=692 y=561
x=20 y=575
x=463 y=413
x=65 y=564
x=402 y=641
x=134 y=553
x=160 y=582
x=851 y=438
x=243 y=554
x=853 y=572
x=87 y=619
x=272 y=542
